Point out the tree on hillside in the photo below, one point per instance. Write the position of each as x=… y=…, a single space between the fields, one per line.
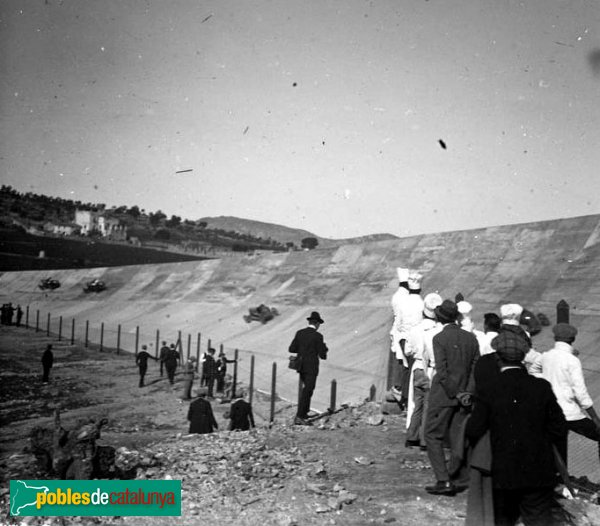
x=309 y=243
x=175 y=221
x=134 y=212
x=156 y=218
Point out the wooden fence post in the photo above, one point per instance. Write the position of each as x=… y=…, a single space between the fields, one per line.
x=251 y=381
x=332 y=396
x=198 y=352
x=48 y=326
x=137 y=339
x=235 y=372
x=59 y=328
x=273 y=389
x=189 y=346
x=87 y=332
x=37 y=320
x=157 y=342
x=27 y=317
x=562 y=312
x=118 y=338
x=73 y=331
x=102 y=337
x=372 y=393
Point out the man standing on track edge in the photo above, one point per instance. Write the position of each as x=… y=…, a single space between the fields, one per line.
x=309 y=345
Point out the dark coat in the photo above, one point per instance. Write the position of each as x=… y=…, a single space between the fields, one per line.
x=201 y=417
x=309 y=345
x=209 y=368
x=524 y=420
x=47 y=359
x=241 y=416
x=456 y=351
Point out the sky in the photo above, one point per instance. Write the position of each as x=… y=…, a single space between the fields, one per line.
x=340 y=117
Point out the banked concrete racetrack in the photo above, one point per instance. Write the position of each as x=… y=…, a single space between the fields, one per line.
x=535 y=264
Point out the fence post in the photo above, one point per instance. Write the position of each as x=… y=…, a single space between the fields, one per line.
x=102 y=337
x=189 y=346
x=208 y=345
x=157 y=340
x=273 y=386
x=48 y=326
x=372 y=393
x=221 y=349
x=332 y=396
x=562 y=312
x=179 y=341
x=73 y=331
x=118 y=338
x=59 y=328
x=235 y=372
x=251 y=381
x=87 y=332
x=137 y=338
x=37 y=320
x=198 y=352
x=27 y=317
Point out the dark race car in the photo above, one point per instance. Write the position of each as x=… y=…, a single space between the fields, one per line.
x=49 y=284
x=94 y=286
x=262 y=313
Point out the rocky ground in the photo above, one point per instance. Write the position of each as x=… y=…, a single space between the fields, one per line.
x=350 y=468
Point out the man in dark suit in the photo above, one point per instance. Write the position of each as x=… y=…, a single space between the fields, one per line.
x=455 y=353
x=524 y=420
x=200 y=414
x=240 y=414
x=309 y=345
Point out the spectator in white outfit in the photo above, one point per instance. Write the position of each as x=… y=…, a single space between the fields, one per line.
x=563 y=370
x=397 y=298
x=491 y=328
x=418 y=337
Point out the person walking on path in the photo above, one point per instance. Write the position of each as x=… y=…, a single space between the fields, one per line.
x=525 y=421
x=171 y=360
x=164 y=351
x=562 y=368
x=308 y=344
x=240 y=414
x=210 y=371
x=455 y=351
x=189 y=372
x=200 y=414
x=47 y=362
x=19 y=315
x=141 y=360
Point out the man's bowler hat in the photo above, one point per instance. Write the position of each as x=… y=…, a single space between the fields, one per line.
x=314 y=316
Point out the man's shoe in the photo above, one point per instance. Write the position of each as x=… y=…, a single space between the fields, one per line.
x=301 y=422
x=442 y=488
x=412 y=443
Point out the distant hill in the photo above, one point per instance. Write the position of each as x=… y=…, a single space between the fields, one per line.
x=282 y=234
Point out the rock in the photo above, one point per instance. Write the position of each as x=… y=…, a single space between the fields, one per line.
x=322 y=508
x=363 y=461
x=334 y=503
x=346 y=497
x=375 y=420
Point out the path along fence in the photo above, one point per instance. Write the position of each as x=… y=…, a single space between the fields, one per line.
x=258 y=378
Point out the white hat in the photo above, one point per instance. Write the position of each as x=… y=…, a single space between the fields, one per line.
x=431 y=301
x=511 y=311
x=414 y=281
x=402 y=274
x=464 y=307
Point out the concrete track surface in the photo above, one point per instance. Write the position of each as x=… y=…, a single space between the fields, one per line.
x=535 y=264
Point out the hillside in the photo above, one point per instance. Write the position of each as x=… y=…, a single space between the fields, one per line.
x=282 y=234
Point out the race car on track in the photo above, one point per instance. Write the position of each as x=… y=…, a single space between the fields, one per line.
x=262 y=313
x=49 y=284
x=94 y=286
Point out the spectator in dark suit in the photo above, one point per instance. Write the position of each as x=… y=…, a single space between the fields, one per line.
x=141 y=360
x=455 y=351
x=47 y=362
x=524 y=420
x=309 y=345
x=164 y=351
x=200 y=414
x=240 y=414
x=210 y=371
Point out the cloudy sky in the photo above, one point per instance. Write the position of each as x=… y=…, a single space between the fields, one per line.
x=342 y=117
